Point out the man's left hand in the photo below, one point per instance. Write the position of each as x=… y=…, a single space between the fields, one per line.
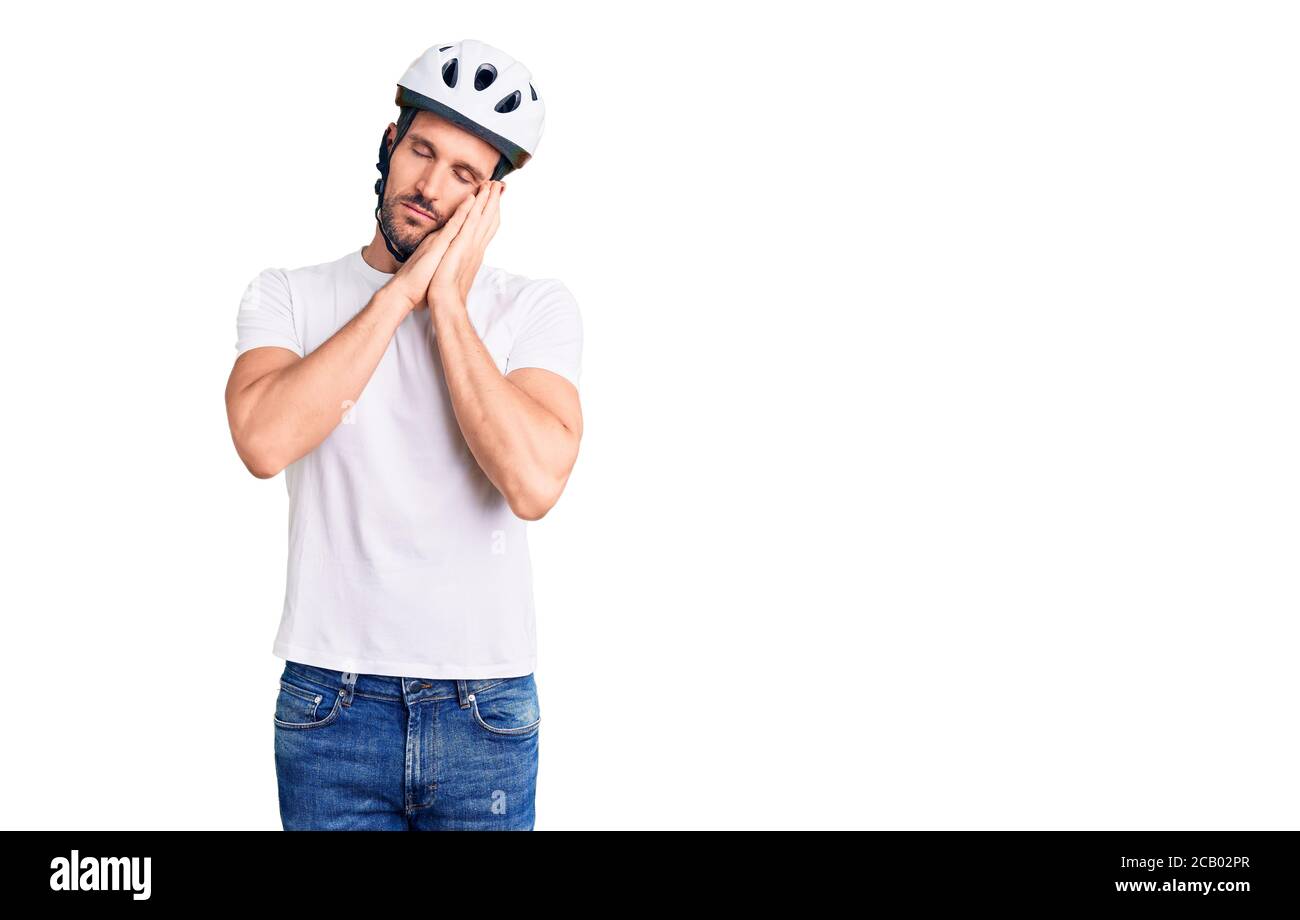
x=460 y=264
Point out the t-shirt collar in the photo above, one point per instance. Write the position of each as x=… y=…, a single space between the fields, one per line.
x=372 y=274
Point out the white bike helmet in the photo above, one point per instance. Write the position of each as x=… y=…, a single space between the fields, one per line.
x=478 y=88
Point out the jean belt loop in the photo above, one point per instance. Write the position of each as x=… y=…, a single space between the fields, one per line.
x=349 y=686
x=462 y=691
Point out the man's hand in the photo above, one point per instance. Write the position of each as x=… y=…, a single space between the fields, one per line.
x=411 y=282
x=456 y=269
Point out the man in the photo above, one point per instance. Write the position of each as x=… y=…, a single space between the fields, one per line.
x=423 y=406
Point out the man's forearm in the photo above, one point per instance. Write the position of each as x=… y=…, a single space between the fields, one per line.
x=520 y=445
x=293 y=409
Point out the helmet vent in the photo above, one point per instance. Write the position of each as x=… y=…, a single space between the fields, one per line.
x=510 y=103
x=449 y=73
x=533 y=91
x=444 y=47
x=484 y=76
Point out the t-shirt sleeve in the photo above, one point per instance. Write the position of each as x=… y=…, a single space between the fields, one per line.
x=551 y=335
x=266 y=314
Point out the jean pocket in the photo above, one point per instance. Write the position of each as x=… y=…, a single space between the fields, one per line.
x=301 y=704
x=507 y=709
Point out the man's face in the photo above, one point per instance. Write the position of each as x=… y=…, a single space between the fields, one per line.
x=435 y=167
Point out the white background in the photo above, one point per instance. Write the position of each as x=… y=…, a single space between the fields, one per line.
x=940 y=466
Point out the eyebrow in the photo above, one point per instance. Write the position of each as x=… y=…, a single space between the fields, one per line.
x=420 y=138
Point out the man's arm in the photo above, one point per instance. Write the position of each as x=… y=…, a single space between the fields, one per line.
x=523 y=428
x=281 y=406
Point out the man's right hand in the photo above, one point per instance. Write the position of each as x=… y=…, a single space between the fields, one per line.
x=411 y=282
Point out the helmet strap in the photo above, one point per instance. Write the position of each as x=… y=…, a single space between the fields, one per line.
x=403 y=122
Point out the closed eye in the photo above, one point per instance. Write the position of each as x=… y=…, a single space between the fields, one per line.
x=429 y=156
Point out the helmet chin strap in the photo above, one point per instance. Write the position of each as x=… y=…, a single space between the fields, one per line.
x=403 y=122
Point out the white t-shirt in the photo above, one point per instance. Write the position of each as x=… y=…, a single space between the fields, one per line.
x=404 y=559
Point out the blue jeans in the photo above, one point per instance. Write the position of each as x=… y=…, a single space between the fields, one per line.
x=373 y=752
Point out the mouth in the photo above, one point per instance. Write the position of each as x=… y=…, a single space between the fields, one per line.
x=417 y=211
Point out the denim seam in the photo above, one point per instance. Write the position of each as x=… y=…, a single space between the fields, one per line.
x=315 y=683
x=333 y=714
x=309 y=696
x=375 y=696
x=501 y=731
x=426 y=699
x=496 y=682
